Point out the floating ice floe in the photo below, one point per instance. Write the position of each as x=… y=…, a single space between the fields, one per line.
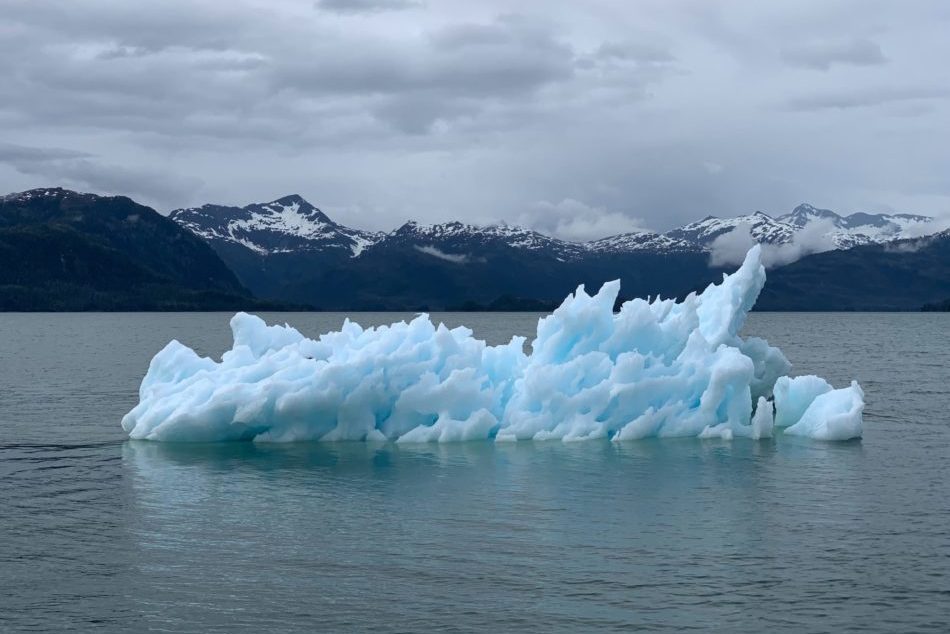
x=660 y=368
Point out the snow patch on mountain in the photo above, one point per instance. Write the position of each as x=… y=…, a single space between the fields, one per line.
x=641 y=241
x=286 y=218
x=763 y=228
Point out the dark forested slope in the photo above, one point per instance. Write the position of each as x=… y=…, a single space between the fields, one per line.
x=61 y=250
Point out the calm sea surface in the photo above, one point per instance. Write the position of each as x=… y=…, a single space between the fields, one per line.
x=785 y=535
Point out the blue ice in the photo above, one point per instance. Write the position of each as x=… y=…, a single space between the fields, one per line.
x=657 y=368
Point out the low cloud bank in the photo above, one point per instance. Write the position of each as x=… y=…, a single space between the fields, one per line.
x=924 y=229
x=460 y=258
x=577 y=221
x=730 y=248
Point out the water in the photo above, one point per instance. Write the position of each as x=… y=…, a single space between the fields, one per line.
x=787 y=535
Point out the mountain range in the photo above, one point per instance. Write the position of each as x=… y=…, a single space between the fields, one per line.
x=62 y=250
x=289 y=250
x=843 y=232
x=291 y=224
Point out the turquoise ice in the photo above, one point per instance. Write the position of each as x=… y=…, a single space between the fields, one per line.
x=656 y=368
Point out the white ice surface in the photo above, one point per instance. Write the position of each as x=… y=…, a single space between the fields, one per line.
x=809 y=406
x=661 y=368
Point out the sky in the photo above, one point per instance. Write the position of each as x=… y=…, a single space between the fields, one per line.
x=579 y=119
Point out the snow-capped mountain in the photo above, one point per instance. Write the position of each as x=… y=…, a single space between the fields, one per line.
x=291 y=224
x=641 y=241
x=284 y=225
x=462 y=238
x=859 y=228
x=763 y=227
x=844 y=231
x=457 y=235
x=805 y=214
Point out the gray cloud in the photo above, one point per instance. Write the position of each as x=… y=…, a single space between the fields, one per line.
x=824 y=55
x=365 y=6
x=841 y=100
x=286 y=88
x=574 y=220
x=80 y=169
x=638 y=51
x=650 y=113
x=20 y=154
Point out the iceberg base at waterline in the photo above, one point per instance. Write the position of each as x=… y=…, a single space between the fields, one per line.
x=657 y=368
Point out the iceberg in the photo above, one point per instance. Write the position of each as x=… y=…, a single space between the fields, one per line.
x=809 y=406
x=657 y=368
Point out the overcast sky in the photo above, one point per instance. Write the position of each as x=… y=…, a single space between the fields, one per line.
x=577 y=118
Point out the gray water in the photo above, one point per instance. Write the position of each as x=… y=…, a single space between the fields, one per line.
x=785 y=535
